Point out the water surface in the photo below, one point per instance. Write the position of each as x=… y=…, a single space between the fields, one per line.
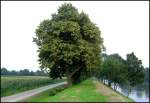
x=139 y=93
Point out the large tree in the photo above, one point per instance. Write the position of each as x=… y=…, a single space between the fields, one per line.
x=68 y=44
x=4 y=71
x=113 y=69
x=135 y=70
x=24 y=72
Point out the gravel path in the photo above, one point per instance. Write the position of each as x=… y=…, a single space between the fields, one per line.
x=29 y=93
x=113 y=96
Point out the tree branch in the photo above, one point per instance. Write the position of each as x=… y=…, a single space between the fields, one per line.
x=75 y=71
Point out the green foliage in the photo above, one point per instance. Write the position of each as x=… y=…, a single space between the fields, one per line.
x=113 y=69
x=4 y=71
x=66 y=13
x=120 y=71
x=135 y=70
x=15 y=84
x=56 y=90
x=69 y=43
x=24 y=72
x=146 y=74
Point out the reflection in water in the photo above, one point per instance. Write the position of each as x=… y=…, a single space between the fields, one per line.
x=138 y=93
x=147 y=93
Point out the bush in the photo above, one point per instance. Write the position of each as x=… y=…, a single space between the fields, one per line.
x=56 y=90
x=52 y=93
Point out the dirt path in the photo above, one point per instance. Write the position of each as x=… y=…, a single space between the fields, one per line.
x=114 y=97
x=26 y=94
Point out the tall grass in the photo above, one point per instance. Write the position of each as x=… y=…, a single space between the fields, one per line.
x=14 y=84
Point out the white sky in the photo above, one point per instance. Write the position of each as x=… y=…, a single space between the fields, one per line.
x=124 y=26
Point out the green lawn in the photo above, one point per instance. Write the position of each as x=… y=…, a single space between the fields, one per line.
x=87 y=91
x=15 y=84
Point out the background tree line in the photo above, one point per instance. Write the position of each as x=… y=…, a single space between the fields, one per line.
x=118 y=71
x=24 y=72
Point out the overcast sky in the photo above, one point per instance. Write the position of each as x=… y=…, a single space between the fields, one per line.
x=124 y=26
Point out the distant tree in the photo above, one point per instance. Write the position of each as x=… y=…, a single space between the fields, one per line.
x=40 y=73
x=135 y=70
x=103 y=71
x=113 y=69
x=24 y=72
x=146 y=75
x=4 y=71
x=37 y=72
x=32 y=73
x=119 y=72
x=13 y=72
x=69 y=44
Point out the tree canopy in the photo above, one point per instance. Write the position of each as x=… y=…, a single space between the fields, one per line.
x=135 y=70
x=113 y=69
x=116 y=70
x=68 y=43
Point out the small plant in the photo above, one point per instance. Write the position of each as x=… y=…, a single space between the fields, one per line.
x=60 y=89
x=56 y=90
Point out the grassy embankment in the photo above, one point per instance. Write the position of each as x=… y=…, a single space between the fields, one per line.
x=15 y=84
x=87 y=91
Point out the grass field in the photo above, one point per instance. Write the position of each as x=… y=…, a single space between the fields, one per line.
x=87 y=91
x=15 y=84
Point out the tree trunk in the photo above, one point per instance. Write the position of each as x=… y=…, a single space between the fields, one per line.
x=104 y=81
x=69 y=79
x=109 y=83
x=129 y=90
x=114 y=86
x=69 y=75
